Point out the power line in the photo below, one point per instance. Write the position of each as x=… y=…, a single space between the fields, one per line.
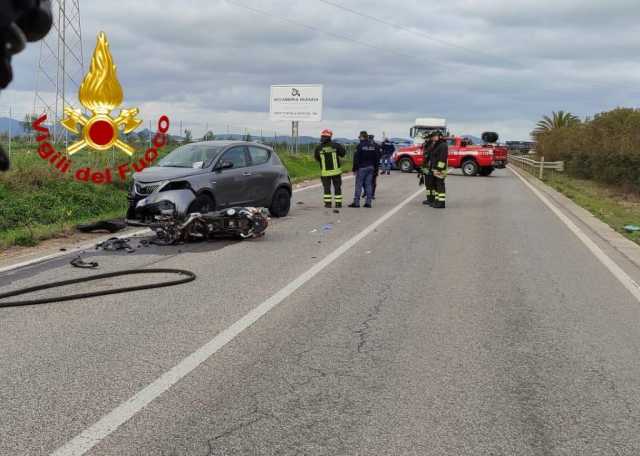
x=319 y=30
x=416 y=32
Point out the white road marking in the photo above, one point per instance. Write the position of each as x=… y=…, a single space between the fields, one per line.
x=92 y=244
x=70 y=251
x=93 y=435
x=630 y=284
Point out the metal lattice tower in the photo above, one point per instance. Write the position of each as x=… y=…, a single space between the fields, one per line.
x=60 y=68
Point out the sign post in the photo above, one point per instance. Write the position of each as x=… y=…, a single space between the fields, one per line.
x=296 y=103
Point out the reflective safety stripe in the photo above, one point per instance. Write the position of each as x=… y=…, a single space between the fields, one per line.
x=330 y=173
x=441 y=165
x=338 y=198
x=328 y=198
x=335 y=169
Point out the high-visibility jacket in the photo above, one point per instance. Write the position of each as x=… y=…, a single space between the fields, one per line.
x=329 y=154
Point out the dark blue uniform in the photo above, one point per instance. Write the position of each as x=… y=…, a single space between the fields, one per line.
x=365 y=163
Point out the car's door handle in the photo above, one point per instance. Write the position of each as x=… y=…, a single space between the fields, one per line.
x=247 y=173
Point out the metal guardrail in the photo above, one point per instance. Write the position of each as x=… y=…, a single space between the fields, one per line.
x=534 y=166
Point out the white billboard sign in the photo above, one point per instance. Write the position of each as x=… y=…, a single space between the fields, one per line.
x=296 y=103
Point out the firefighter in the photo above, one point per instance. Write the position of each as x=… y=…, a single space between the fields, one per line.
x=439 y=165
x=328 y=154
x=364 y=164
x=427 y=170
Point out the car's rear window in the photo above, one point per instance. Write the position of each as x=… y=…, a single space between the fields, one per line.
x=259 y=156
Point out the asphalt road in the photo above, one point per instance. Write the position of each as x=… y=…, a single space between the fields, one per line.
x=484 y=329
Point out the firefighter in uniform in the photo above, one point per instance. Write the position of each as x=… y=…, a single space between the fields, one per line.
x=328 y=154
x=427 y=170
x=439 y=165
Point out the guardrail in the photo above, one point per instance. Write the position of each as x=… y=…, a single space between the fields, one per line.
x=535 y=167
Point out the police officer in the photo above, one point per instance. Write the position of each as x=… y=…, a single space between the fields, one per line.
x=427 y=170
x=364 y=165
x=374 y=186
x=329 y=153
x=439 y=164
x=387 y=151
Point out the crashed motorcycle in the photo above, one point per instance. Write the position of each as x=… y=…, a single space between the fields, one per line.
x=235 y=222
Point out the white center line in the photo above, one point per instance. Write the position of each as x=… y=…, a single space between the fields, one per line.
x=93 y=435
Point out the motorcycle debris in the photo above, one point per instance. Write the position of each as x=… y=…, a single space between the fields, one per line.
x=80 y=263
x=113 y=244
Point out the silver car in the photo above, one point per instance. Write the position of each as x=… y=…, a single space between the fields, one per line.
x=208 y=176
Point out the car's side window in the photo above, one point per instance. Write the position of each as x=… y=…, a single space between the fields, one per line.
x=259 y=156
x=237 y=156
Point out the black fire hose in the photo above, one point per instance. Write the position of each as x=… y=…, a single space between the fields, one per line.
x=188 y=277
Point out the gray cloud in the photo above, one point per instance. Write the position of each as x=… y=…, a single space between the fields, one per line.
x=510 y=62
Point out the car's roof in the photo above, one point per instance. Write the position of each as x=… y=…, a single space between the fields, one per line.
x=226 y=143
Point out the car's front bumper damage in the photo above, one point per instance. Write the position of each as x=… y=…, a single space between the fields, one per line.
x=144 y=209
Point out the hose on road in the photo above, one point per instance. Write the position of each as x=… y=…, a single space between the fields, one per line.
x=187 y=276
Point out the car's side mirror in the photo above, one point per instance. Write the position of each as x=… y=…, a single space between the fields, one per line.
x=224 y=164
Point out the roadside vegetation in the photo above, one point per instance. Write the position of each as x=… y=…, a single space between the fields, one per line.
x=37 y=203
x=602 y=163
x=611 y=204
x=605 y=149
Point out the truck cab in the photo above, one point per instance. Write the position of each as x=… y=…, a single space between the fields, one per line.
x=424 y=126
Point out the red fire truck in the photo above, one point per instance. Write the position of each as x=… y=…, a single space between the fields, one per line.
x=472 y=159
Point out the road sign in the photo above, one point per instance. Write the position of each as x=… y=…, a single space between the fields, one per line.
x=296 y=103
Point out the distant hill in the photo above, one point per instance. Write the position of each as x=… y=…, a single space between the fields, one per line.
x=7 y=124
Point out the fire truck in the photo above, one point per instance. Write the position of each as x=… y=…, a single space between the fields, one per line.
x=470 y=158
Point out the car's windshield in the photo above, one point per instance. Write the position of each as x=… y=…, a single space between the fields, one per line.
x=191 y=156
x=419 y=131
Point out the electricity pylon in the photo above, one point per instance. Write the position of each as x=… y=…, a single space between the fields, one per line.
x=60 y=66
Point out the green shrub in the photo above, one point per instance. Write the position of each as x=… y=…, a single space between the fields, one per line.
x=605 y=148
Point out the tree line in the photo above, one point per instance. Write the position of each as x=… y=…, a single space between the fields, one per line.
x=605 y=148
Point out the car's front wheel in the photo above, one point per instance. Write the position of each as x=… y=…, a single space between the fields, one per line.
x=281 y=203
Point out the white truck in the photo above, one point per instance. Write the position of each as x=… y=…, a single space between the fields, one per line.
x=426 y=125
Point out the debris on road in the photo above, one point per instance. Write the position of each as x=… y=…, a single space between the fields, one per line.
x=112 y=226
x=241 y=222
x=78 y=262
x=114 y=244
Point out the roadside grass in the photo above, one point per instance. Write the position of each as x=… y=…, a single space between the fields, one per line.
x=303 y=166
x=613 y=205
x=38 y=203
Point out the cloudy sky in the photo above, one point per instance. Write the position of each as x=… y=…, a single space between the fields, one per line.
x=483 y=64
